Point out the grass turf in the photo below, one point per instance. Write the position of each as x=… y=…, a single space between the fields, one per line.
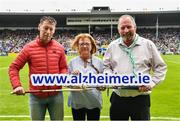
x=165 y=98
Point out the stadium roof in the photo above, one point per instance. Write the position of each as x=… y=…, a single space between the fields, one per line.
x=55 y=6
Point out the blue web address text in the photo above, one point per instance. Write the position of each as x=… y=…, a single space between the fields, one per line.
x=90 y=80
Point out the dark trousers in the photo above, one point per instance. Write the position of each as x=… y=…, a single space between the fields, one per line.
x=136 y=108
x=80 y=114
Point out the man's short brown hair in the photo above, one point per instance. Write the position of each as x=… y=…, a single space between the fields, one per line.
x=49 y=19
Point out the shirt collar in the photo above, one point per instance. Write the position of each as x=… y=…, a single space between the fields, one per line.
x=138 y=42
x=40 y=43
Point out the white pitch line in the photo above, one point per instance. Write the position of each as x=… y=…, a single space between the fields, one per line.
x=173 y=61
x=4 y=68
x=166 y=118
x=104 y=117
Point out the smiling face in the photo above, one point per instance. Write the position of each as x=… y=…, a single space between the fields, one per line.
x=84 y=47
x=46 y=31
x=85 y=44
x=127 y=29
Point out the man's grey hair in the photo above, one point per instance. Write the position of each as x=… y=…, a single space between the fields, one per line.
x=127 y=16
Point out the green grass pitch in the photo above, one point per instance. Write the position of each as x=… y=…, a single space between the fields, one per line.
x=165 y=98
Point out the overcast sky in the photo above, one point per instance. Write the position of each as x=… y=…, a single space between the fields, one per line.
x=84 y=5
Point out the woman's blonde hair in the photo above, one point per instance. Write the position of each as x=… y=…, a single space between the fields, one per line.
x=82 y=36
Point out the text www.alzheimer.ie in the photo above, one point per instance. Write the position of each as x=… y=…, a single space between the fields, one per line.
x=90 y=79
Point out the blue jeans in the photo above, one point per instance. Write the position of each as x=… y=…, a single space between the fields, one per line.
x=54 y=104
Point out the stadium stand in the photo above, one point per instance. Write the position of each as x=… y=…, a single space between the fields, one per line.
x=13 y=41
x=162 y=27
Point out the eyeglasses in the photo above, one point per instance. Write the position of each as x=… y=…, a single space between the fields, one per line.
x=83 y=44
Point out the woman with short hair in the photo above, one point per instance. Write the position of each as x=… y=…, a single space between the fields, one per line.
x=89 y=102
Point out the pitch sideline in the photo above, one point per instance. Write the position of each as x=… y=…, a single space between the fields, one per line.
x=103 y=117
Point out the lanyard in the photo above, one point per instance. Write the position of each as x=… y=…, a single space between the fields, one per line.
x=128 y=51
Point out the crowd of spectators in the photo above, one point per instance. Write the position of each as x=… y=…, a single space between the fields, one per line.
x=166 y=40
